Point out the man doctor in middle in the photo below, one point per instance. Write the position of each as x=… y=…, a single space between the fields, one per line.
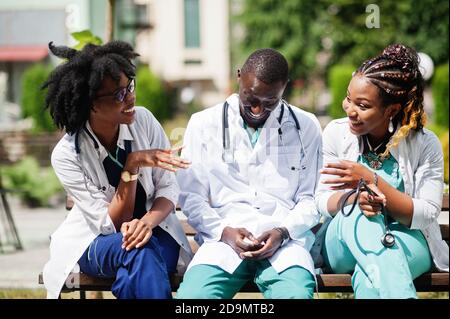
x=249 y=191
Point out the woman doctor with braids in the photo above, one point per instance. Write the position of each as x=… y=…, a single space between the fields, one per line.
x=382 y=182
x=116 y=163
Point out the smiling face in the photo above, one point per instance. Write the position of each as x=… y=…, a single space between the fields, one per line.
x=365 y=110
x=107 y=106
x=257 y=99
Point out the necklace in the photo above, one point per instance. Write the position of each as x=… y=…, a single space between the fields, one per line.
x=370 y=146
x=375 y=161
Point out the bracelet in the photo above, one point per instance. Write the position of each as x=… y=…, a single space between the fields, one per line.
x=375 y=179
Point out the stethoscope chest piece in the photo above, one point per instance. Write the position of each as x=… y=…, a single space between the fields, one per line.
x=388 y=240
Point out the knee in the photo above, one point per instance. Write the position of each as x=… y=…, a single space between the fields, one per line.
x=297 y=291
x=297 y=283
x=194 y=291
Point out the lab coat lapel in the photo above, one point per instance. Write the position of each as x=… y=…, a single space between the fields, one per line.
x=269 y=136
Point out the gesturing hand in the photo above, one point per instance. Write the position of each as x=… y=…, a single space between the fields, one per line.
x=162 y=158
x=347 y=174
x=240 y=239
x=136 y=233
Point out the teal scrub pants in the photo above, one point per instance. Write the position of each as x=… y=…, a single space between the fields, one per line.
x=212 y=282
x=352 y=244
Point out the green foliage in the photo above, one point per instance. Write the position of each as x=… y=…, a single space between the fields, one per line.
x=151 y=93
x=84 y=37
x=33 y=98
x=440 y=95
x=36 y=185
x=422 y=25
x=288 y=27
x=444 y=143
x=437 y=129
x=338 y=79
x=337 y=28
x=442 y=133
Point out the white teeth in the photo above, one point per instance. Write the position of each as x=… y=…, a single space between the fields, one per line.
x=129 y=110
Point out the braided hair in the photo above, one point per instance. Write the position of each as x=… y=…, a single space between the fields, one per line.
x=72 y=85
x=396 y=74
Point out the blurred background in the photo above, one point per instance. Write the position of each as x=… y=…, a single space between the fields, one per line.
x=189 y=51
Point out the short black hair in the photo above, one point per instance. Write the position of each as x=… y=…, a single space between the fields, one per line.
x=268 y=65
x=72 y=85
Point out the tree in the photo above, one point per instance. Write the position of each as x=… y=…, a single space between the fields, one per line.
x=110 y=13
x=301 y=29
x=33 y=98
x=422 y=25
x=287 y=26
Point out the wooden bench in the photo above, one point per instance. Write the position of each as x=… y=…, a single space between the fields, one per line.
x=430 y=282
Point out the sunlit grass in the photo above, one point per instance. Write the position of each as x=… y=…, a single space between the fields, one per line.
x=41 y=294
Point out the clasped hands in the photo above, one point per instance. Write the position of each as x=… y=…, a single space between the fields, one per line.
x=249 y=247
x=346 y=175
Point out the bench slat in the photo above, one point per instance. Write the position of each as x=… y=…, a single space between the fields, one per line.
x=327 y=283
x=445 y=203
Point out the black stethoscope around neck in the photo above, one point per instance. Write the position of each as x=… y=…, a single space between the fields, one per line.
x=97 y=148
x=227 y=155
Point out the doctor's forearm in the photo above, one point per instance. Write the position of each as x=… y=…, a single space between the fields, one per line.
x=121 y=207
x=161 y=208
x=399 y=205
x=335 y=201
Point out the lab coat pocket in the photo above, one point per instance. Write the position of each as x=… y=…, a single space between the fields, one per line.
x=284 y=176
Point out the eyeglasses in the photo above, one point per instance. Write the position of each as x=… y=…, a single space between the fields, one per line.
x=120 y=94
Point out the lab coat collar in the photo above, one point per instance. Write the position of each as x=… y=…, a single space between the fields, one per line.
x=124 y=134
x=269 y=126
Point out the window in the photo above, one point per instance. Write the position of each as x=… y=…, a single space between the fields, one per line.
x=191 y=24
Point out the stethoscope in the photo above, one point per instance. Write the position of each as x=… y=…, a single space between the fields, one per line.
x=227 y=154
x=78 y=151
x=388 y=239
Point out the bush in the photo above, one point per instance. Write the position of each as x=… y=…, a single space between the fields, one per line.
x=442 y=133
x=33 y=98
x=338 y=79
x=151 y=93
x=440 y=95
x=36 y=185
x=444 y=143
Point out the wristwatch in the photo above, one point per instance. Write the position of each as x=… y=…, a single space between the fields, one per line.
x=126 y=176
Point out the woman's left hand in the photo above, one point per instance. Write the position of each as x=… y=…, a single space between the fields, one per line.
x=136 y=234
x=347 y=174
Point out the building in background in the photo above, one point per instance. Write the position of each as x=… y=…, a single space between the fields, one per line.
x=27 y=26
x=185 y=42
x=188 y=46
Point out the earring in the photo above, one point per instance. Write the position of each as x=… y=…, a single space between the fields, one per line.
x=391 y=125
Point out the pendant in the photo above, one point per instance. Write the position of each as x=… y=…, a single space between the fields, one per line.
x=375 y=163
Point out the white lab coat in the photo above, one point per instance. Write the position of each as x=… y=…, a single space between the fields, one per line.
x=92 y=194
x=261 y=188
x=421 y=165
